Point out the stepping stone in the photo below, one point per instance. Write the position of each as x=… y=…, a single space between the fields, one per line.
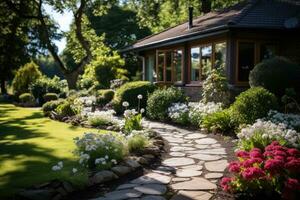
x=216 y=145
x=174 y=140
x=193 y=167
x=213 y=175
x=216 y=166
x=154 y=189
x=121 y=170
x=173 y=144
x=180 y=179
x=162 y=172
x=153 y=197
x=205 y=157
x=166 y=169
x=195 y=136
x=206 y=141
x=187 y=145
x=202 y=146
x=126 y=186
x=177 y=154
x=218 y=151
x=179 y=148
x=194 y=184
x=192 y=195
x=179 y=161
x=152 y=178
x=187 y=173
x=123 y=194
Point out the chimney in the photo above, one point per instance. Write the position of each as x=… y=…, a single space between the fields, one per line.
x=191 y=17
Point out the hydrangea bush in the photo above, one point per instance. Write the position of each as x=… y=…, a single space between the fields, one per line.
x=262 y=133
x=274 y=170
x=292 y=121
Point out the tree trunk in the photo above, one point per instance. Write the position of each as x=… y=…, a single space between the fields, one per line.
x=3 y=88
x=72 y=78
x=205 y=6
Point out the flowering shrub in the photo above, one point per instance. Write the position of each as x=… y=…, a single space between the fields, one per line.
x=275 y=169
x=100 y=151
x=199 y=110
x=262 y=133
x=133 y=121
x=99 y=118
x=179 y=113
x=292 y=121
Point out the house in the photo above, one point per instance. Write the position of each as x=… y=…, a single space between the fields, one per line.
x=235 y=38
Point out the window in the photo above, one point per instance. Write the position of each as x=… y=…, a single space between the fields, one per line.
x=267 y=51
x=169 y=65
x=150 y=73
x=246 y=56
x=206 y=57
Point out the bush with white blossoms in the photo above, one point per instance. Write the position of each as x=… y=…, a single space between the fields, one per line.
x=292 y=121
x=262 y=133
x=103 y=118
x=179 y=113
x=100 y=151
x=198 y=110
x=58 y=166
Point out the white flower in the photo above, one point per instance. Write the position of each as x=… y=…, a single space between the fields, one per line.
x=104 y=162
x=74 y=170
x=125 y=104
x=56 y=168
x=140 y=96
x=106 y=157
x=60 y=163
x=142 y=110
x=114 y=161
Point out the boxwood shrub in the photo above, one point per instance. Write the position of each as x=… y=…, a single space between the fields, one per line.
x=159 y=102
x=104 y=96
x=129 y=92
x=26 y=98
x=51 y=106
x=50 y=97
x=253 y=104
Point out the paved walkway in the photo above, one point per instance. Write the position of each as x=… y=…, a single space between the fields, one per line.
x=191 y=169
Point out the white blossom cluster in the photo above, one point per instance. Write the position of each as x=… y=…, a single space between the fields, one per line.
x=178 y=112
x=104 y=117
x=270 y=130
x=198 y=110
x=58 y=166
x=292 y=121
x=108 y=147
x=87 y=101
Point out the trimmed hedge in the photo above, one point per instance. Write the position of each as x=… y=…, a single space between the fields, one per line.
x=50 y=97
x=104 y=96
x=159 y=102
x=129 y=92
x=26 y=98
x=276 y=74
x=51 y=106
x=253 y=104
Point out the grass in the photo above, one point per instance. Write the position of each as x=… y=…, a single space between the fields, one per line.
x=30 y=145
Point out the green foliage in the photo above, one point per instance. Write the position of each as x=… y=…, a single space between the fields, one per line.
x=104 y=96
x=129 y=92
x=50 y=97
x=137 y=143
x=219 y=122
x=25 y=76
x=133 y=122
x=99 y=121
x=26 y=98
x=66 y=109
x=253 y=104
x=276 y=74
x=215 y=88
x=51 y=106
x=159 y=102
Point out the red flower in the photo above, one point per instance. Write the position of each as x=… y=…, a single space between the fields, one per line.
x=279 y=158
x=251 y=161
x=256 y=154
x=293 y=152
x=225 y=183
x=274 y=165
x=252 y=173
x=293 y=165
x=280 y=153
x=234 y=167
x=242 y=154
x=292 y=184
x=256 y=149
x=268 y=154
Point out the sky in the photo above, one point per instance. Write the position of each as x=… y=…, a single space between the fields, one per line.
x=64 y=20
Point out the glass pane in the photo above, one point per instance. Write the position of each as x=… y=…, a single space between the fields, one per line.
x=220 y=55
x=169 y=66
x=206 y=53
x=177 y=61
x=195 y=64
x=149 y=70
x=246 y=60
x=160 y=67
x=267 y=51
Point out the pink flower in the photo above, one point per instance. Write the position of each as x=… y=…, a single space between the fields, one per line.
x=274 y=165
x=252 y=173
x=292 y=184
x=293 y=165
x=242 y=154
x=225 y=183
x=280 y=153
x=251 y=161
x=279 y=158
x=256 y=149
x=268 y=154
x=234 y=167
x=255 y=154
x=293 y=152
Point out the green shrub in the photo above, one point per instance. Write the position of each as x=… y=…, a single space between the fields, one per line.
x=25 y=76
x=51 y=106
x=276 y=74
x=160 y=100
x=105 y=96
x=218 y=122
x=26 y=98
x=50 y=97
x=137 y=143
x=133 y=121
x=129 y=92
x=253 y=104
x=215 y=88
x=65 y=109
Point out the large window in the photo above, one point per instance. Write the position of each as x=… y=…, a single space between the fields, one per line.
x=170 y=65
x=246 y=56
x=150 y=73
x=206 y=57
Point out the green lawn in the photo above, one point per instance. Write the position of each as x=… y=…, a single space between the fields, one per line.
x=30 y=145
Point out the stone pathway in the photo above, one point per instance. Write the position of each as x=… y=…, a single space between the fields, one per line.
x=191 y=168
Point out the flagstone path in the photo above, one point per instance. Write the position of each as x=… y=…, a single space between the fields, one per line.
x=191 y=169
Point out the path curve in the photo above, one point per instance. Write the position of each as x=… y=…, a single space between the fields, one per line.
x=191 y=168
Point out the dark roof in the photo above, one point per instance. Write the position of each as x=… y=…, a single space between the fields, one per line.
x=268 y=14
